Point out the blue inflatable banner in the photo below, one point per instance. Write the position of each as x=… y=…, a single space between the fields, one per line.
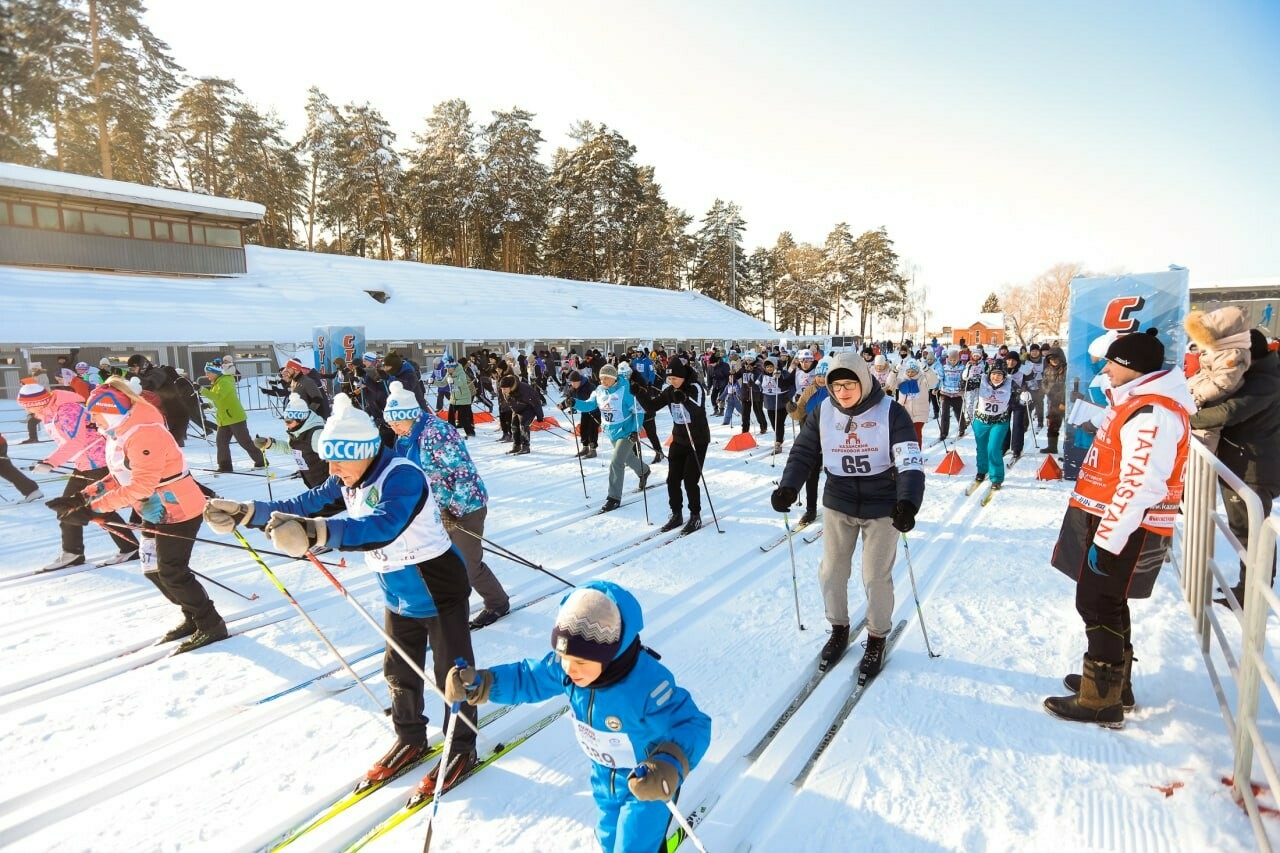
x=1119 y=305
x=345 y=342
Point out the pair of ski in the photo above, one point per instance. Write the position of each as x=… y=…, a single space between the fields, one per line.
x=774 y=543
x=417 y=801
x=857 y=689
x=667 y=537
x=363 y=788
x=977 y=484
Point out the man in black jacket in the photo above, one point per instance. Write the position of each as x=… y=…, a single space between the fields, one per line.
x=1250 y=444
x=526 y=407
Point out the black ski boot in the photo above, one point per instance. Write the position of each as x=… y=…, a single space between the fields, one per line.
x=591 y=452
x=180 y=632
x=676 y=519
x=203 y=637
x=809 y=517
x=694 y=522
x=658 y=456
x=872 y=659
x=644 y=479
x=610 y=504
x=835 y=647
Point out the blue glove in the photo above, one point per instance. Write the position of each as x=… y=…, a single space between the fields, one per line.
x=152 y=509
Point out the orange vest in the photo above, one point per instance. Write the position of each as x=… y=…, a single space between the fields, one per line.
x=1101 y=478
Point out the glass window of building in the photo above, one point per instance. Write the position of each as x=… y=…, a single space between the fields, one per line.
x=141 y=228
x=22 y=215
x=47 y=217
x=73 y=221
x=4 y=213
x=107 y=224
x=181 y=234
x=161 y=230
x=229 y=237
x=197 y=235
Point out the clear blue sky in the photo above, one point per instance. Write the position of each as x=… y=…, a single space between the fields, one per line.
x=992 y=139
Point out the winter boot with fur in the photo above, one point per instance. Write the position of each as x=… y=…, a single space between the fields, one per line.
x=1072 y=682
x=1098 y=700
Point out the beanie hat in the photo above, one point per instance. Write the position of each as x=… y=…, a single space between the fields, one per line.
x=104 y=362
x=107 y=400
x=371 y=357
x=824 y=366
x=82 y=366
x=34 y=396
x=1017 y=362
x=349 y=434
x=1034 y=348
x=679 y=369
x=401 y=405
x=624 y=368
x=296 y=409
x=588 y=626
x=609 y=370
x=849 y=365
x=213 y=367
x=997 y=366
x=910 y=364
x=806 y=355
x=1258 y=346
x=881 y=361
x=294 y=364
x=393 y=362
x=1139 y=352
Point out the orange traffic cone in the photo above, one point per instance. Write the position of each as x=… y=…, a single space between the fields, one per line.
x=741 y=441
x=951 y=464
x=1049 y=469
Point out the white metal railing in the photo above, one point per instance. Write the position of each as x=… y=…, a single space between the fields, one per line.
x=1201 y=574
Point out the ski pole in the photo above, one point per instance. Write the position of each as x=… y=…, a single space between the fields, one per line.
x=702 y=476
x=578 y=451
x=387 y=638
x=795 y=584
x=644 y=487
x=495 y=548
x=445 y=755
x=217 y=583
x=911 y=573
x=158 y=532
x=267 y=476
x=642 y=771
x=1034 y=440
x=314 y=627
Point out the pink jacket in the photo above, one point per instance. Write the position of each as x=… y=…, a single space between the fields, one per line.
x=144 y=461
x=79 y=443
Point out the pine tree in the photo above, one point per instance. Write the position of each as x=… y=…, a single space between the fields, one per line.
x=839 y=268
x=200 y=129
x=991 y=305
x=512 y=193
x=876 y=284
x=720 y=262
x=319 y=145
x=371 y=178
x=441 y=188
x=262 y=167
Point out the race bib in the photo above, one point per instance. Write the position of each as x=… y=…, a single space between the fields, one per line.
x=609 y=749
x=679 y=414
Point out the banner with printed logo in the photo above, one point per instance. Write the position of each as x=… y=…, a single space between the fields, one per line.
x=1120 y=304
x=345 y=342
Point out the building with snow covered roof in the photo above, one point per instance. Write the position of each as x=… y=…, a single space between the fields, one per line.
x=89 y=295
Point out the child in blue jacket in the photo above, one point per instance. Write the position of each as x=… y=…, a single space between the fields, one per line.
x=627 y=710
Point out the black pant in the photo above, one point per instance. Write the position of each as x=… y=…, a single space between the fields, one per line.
x=952 y=405
x=811 y=490
x=651 y=430
x=747 y=406
x=1238 y=517
x=778 y=417
x=73 y=534
x=684 y=465
x=449 y=635
x=460 y=417
x=20 y=481
x=1037 y=406
x=171 y=572
x=589 y=432
x=240 y=432
x=32 y=423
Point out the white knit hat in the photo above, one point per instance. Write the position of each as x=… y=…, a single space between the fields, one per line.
x=296 y=409
x=349 y=434
x=401 y=405
x=588 y=626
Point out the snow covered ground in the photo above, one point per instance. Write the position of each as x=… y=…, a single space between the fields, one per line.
x=108 y=751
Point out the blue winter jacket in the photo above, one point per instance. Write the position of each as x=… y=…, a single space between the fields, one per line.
x=405 y=493
x=630 y=419
x=646 y=705
x=435 y=447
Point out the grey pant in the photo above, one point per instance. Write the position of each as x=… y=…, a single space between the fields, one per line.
x=624 y=455
x=481 y=576
x=879 y=550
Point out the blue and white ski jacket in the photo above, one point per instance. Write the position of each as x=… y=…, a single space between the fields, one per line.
x=436 y=448
x=619 y=414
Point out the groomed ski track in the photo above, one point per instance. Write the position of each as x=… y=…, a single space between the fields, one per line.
x=183 y=753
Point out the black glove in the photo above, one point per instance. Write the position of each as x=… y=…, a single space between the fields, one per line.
x=782 y=498
x=633 y=438
x=903 y=516
x=678 y=396
x=72 y=510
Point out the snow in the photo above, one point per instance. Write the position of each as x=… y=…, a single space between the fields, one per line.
x=285 y=294
x=946 y=753
x=83 y=186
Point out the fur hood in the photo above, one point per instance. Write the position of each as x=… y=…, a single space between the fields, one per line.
x=1222 y=328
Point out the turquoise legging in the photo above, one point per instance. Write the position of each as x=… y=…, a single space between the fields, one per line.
x=990 y=441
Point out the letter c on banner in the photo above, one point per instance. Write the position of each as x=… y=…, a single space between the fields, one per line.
x=1118 y=316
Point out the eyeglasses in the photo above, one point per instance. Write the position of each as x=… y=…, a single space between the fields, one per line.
x=845 y=385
